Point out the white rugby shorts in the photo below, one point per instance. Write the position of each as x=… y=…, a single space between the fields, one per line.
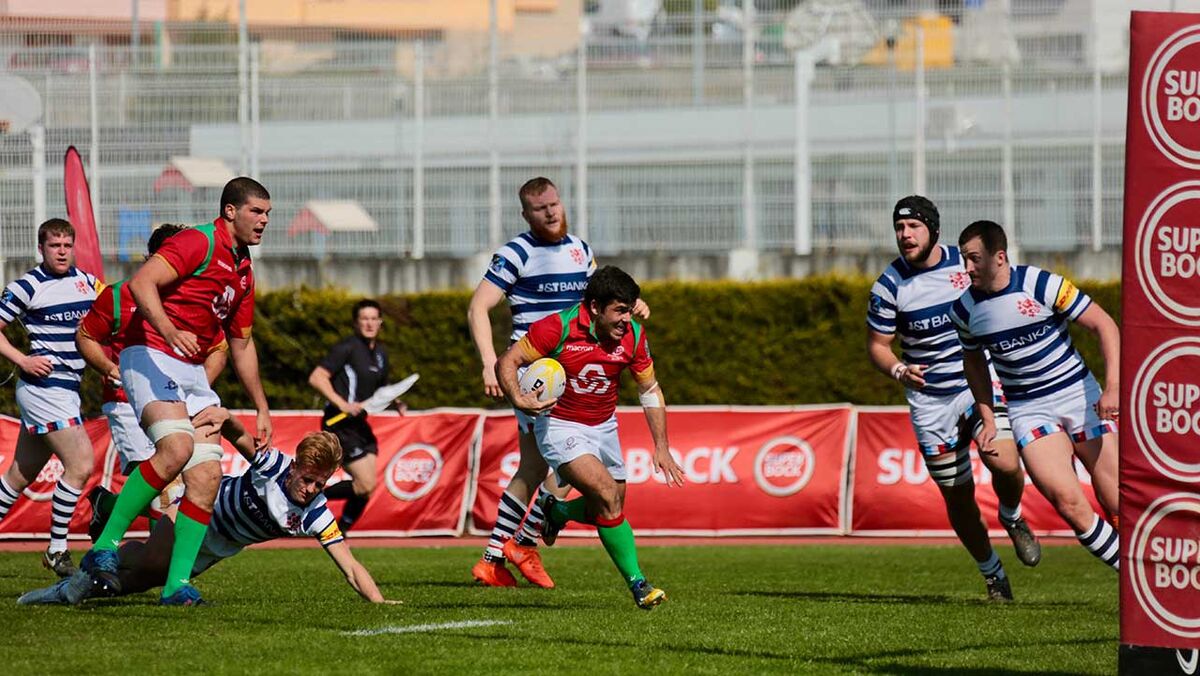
x=561 y=441
x=214 y=548
x=1071 y=410
x=47 y=409
x=151 y=375
x=131 y=442
x=948 y=422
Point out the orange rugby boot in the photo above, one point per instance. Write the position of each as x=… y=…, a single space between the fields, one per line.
x=529 y=562
x=493 y=574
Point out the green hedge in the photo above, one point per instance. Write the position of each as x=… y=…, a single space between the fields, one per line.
x=780 y=342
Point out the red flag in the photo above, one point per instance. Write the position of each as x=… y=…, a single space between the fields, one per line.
x=79 y=212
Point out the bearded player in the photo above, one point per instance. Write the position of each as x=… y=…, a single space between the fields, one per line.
x=594 y=341
x=912 y=300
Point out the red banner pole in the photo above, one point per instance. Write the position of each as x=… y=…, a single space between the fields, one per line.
x=1160 y=349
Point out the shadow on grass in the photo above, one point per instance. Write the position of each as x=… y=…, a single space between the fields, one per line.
x=887 y=599
x=865 y=662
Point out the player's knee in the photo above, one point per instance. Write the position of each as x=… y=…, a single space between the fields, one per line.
x=201 y=483
x=608 y=501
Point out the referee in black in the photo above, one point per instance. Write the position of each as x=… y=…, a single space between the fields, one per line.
x=347 y=377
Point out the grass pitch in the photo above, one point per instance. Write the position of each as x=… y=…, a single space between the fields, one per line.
x=731 y=609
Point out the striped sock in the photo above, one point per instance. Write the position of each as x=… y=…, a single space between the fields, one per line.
x=532 y=528
x=1103 y=542
x=8 y=498
x=62 y=509
x=992 y=567
x=508 y=518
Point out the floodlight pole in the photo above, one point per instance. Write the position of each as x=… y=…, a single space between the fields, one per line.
x=802 y=165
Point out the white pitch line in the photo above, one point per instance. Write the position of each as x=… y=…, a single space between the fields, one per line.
x=422 y=628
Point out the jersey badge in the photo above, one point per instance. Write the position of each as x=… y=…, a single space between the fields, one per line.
x=960 y=280
x=497 y=264
x=1027 y=307
x=577 y=255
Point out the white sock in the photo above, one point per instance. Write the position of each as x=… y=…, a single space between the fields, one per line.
x=62 y=509
x=1103 y=542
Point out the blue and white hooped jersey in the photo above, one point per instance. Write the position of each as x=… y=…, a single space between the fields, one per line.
x=915 y=303
x=1025 y=328
x=255 y=506
x=540 y=278
x=51 y=307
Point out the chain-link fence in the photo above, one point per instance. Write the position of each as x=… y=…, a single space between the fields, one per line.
x=687 y=142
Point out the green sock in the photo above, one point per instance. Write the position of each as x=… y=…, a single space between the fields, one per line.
x=191 y=524
x=568 y=510
x=618 y=542
x=134 y=497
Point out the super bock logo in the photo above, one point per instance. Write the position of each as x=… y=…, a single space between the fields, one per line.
x=784 y=466
x=413 y=472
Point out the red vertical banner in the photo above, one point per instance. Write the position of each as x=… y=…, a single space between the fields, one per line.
x=893 y=495
x=79 y=211
x=1160 y=349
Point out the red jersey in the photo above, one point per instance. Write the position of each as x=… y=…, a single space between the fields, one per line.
x=213 y=296
x=593 y=366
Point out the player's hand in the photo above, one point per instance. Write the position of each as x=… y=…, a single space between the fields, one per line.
x=37 y=366
x=184 y=343
x=1109 y=405
x=491 y=386
x=640 y=309
x=213 y=416
x=265 y=431
x=114 y=376
x=352 y=408
x=985 y=436
x=914 y=377
x=529 y=404
x=665 y=463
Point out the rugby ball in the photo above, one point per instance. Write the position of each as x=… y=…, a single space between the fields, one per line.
x=544 y=372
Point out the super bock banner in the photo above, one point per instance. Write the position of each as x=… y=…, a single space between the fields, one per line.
x=1160 y=350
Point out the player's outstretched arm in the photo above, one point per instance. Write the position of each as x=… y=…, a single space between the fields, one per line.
x=487 y=296
x=93 y=353
x=245 y=365
x=654 y=405
x=356 y=574
x=154 y=274
x=517 y=355
x=1099 y=322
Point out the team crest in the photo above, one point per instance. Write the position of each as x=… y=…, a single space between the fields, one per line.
x=1027 y=307
x=497 y=264
x=223 y=303
x=293 y=522
x=81 y=286
x=876 y=303
x=577 y=255
x=960 y=280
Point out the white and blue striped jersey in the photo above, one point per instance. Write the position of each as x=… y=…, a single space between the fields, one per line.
x=1024 y=327
x=255 y=506
x=915 y=303
x=51 y=307
x=540 y=278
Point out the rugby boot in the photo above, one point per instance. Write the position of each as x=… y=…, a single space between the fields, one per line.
x=546 y=502
x=59 y=562
x=998 y=588
x=187 y=595
x=102 y=565
x=646 y=595
x=1029 y=550
x=529 y=561
x=96 y=523
x=493 y=574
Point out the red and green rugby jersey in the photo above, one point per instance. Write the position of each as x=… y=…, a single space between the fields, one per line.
x=213 y=296
x=593 y=366
x=105 y=323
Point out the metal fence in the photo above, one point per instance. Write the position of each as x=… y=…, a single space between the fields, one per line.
x=668 y=144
